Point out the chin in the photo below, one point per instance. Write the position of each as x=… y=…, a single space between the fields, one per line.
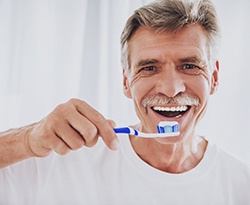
x=170 y=140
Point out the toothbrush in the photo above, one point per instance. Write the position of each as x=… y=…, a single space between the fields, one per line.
x=165 y=129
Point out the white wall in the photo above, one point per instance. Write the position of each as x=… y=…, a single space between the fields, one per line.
x=53 y=50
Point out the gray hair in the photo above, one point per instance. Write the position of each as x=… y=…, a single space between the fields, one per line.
x=172 y=15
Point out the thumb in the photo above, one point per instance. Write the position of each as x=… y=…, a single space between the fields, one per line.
x=114 y=144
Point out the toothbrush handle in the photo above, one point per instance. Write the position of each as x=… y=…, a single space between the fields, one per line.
x=126 y=130
x=123 y=130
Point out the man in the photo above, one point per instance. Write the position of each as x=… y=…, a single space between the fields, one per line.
x=170 y=68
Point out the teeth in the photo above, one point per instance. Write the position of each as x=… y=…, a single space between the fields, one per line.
x=173 y=109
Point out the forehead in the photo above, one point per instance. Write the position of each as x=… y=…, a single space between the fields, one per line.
x=146 y=43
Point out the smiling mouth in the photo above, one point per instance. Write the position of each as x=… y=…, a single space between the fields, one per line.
x=171 y=112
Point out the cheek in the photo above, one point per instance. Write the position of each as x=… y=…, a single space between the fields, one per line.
x=200 y=84
x=201 y=88
x=141 y=88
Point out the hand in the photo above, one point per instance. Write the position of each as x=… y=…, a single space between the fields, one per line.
x=69 y=127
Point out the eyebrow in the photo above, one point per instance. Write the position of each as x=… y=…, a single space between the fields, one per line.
x=145 y=62
x=192 y=60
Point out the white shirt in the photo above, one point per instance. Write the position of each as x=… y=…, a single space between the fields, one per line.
x=99 y=176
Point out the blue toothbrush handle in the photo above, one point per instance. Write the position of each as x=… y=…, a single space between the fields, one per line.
x=123 y=130
x=126 y=130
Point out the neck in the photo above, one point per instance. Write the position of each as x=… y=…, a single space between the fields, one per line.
x=173 y=158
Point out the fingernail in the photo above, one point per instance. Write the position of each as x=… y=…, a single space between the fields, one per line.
x=115 y=144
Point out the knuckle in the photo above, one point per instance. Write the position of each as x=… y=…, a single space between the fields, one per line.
x=73 y=101
x=60 y=107
x=78 y=144
x=89 y=133
x=92 y=142
x=76 y=102
x=61 y=110
x=61 y=113
x=62 y=149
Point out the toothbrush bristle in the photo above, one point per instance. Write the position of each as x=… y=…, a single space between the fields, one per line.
x=168 y=127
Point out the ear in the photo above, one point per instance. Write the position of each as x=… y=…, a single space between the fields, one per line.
x=215 y=80
x=126 y=87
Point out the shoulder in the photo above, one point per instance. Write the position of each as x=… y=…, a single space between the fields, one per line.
x=229 y=163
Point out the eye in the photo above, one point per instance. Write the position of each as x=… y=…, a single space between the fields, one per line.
x=190 y=69
x=148 y=68
x=148 y=71
x=190 y=66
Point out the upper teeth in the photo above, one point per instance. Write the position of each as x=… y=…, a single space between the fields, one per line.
x=178 y=108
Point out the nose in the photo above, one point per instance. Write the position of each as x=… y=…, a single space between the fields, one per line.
x=170 y=83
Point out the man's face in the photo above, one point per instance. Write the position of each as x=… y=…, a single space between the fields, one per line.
x=170 y=78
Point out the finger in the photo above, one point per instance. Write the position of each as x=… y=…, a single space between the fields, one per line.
x=85 y=129
x=61 y=147
x=103 y=126
x=73 y=127
x=54 y=142
x=71 y=137
x=49 y=133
